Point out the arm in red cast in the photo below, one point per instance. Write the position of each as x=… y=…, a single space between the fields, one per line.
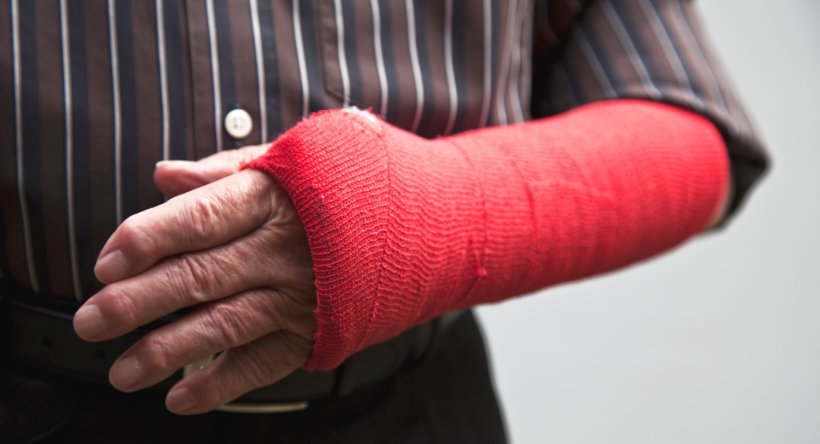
x=403 y=229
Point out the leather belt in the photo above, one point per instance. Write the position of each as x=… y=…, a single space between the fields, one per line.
x=44 y=338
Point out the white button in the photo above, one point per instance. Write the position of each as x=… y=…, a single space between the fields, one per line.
x=238 y=123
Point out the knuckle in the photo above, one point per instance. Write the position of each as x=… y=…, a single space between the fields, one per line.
x=121 y=306
x=203 y=216
x=192 y=278
x=132 y=236
x=157 y=352
x=268 y=306
x=228 y=323
x=282 y=311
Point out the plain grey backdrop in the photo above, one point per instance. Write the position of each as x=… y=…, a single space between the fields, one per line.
x=719 y=341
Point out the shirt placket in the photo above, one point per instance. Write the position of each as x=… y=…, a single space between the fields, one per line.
x=202 y=79
x=222 y=37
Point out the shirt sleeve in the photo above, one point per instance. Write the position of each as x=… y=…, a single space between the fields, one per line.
x=645 y=49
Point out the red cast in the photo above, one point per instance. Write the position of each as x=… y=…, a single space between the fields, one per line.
x=403 y=229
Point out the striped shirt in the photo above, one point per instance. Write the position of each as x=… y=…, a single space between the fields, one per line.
x=93 y=93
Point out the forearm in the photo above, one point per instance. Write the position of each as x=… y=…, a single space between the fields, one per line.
x=403 y=229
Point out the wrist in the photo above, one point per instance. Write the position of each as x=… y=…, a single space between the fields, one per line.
x=402 y=229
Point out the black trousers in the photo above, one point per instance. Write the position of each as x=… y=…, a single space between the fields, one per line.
x=447 y=398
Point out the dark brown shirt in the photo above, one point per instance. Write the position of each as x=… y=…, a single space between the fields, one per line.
x=93 y=93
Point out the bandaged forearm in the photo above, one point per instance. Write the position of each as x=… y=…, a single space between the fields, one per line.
x=403 y=229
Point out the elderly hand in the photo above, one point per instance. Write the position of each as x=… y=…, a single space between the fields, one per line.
x=236 y=254
x=175 y=177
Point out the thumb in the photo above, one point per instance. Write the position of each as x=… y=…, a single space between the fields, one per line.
x=174 y=177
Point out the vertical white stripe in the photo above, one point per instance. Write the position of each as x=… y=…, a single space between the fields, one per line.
x=300 y=55
x=506 y=56
x=217 y=91
x=527 y=26
x=163 y=80
x=414 y=61
x=592 y=59
x=514 y=85
x=629 y=46
x=340 y=48
x=69 y=150
x=448 y=65
x=377 y=43
x=488 y=63
x=115 y=94
x=704 y=62
x=669 y=50
x=18 y=128
x=260 y=71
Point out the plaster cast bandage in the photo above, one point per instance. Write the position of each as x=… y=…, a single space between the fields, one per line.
x=403 y=229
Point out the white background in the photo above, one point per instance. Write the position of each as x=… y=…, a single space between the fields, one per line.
x=718 y=342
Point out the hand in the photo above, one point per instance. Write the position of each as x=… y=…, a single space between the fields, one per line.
x=233 y=250
x=174 y=177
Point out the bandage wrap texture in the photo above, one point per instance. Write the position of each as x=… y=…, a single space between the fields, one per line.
x=403 y=229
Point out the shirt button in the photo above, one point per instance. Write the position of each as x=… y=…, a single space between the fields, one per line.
x=238 y=123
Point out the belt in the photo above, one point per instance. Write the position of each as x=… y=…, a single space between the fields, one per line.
x=44 y=338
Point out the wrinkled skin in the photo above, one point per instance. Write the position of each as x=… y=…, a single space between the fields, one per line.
x=230 y=248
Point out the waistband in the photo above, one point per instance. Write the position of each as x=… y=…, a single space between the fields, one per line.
x=43 y=338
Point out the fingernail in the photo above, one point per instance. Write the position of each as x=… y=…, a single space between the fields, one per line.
x=89 y=322
x=125 y=373
x=112 y=267
x=180 y=400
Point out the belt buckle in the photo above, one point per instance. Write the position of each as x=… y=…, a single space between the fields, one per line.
x=246 y=407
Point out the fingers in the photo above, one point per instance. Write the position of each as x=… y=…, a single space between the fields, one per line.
x=175 y=177
x=223 y=325
x=238 y=371
x=180 y=282
x=206 y=217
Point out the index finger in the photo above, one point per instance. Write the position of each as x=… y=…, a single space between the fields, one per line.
x=203 y=218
